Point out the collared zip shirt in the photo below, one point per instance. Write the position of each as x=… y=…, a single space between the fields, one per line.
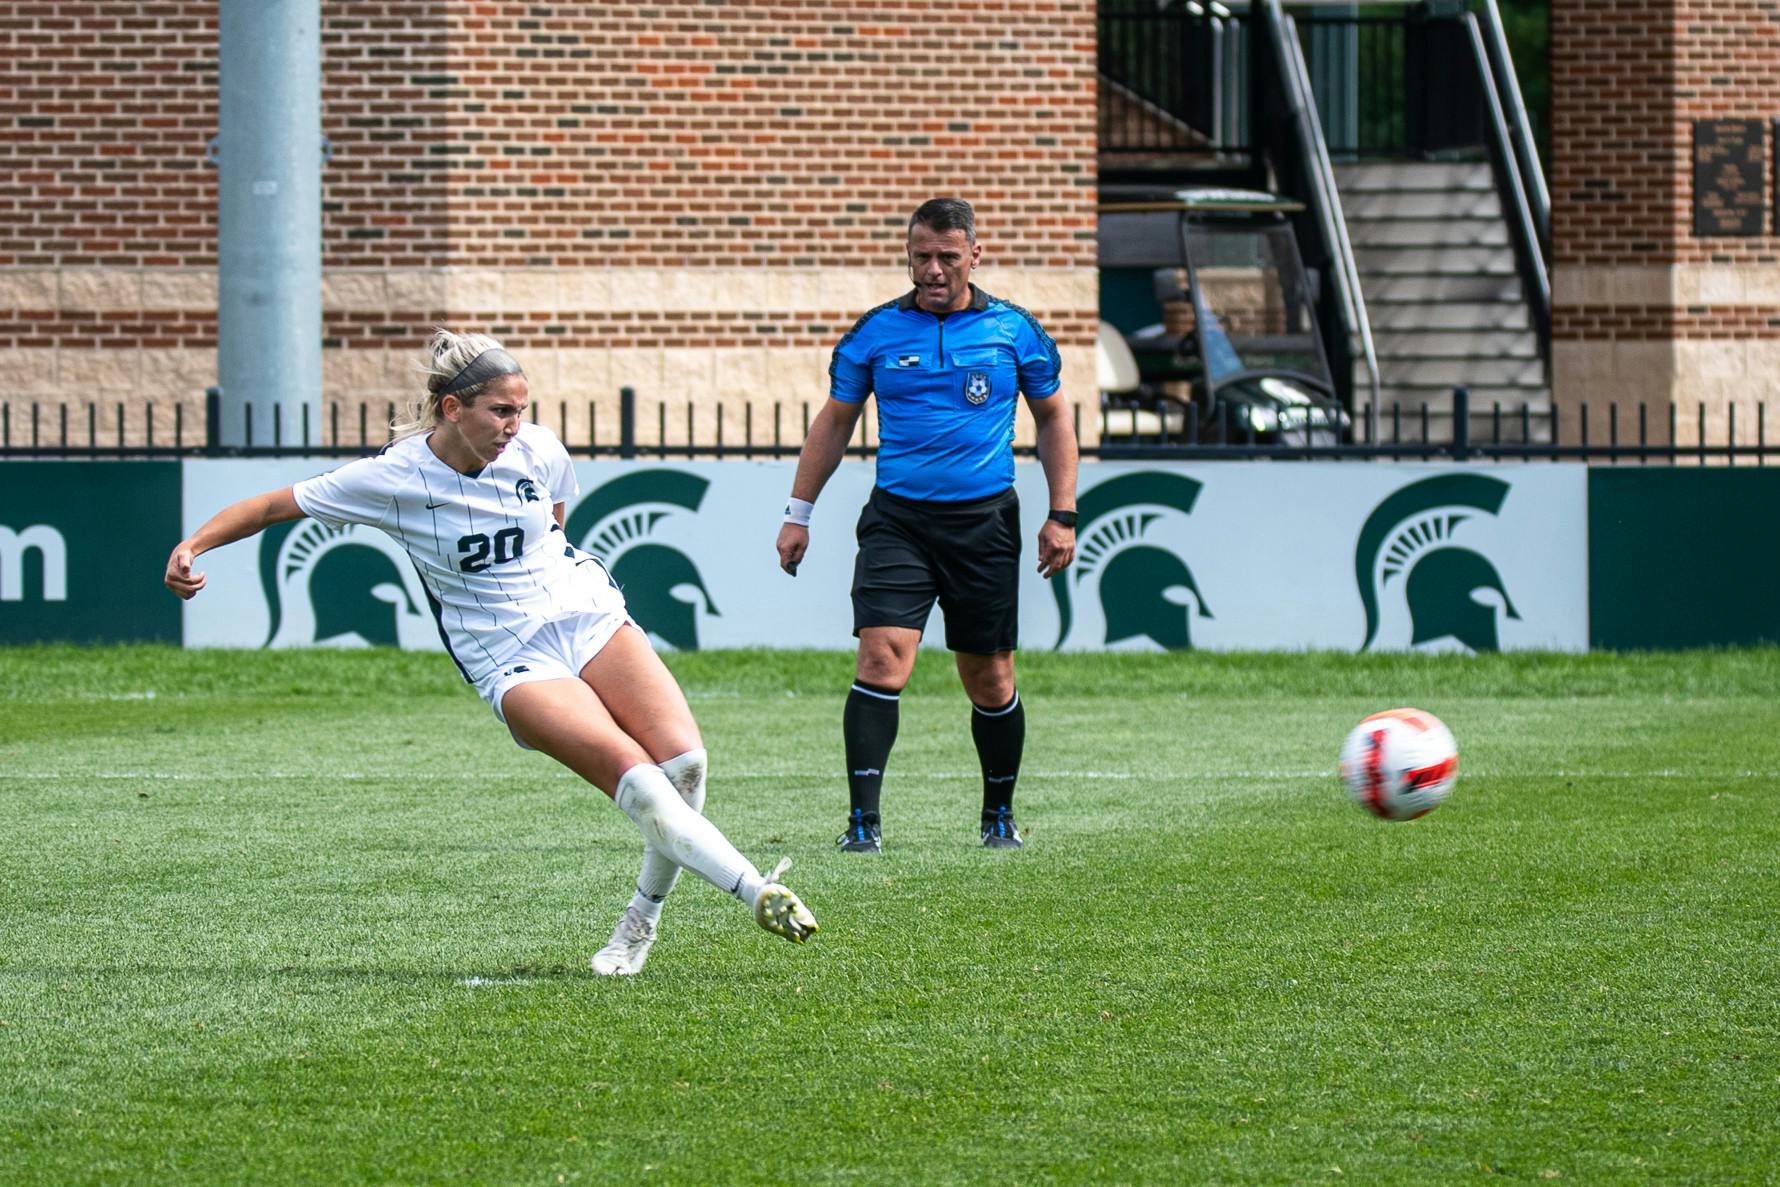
x=947 y=388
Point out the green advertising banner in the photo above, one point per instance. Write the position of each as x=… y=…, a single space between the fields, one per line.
x=82 y=547
x=1683 y=558
x=1219 y=556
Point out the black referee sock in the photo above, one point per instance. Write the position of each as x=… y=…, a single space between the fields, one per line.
x=1000 y=735
x=869 y=727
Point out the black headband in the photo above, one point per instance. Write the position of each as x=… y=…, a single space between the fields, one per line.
x=490 y=364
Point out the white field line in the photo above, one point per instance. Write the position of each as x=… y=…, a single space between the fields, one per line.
x=375 y=777
x=151 y=694
x=935 y=776
x=492 y=982
x=65 y=696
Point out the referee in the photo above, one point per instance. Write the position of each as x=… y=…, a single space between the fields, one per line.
x=946 y=362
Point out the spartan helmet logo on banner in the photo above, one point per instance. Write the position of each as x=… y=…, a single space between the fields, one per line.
x=1408 y=557
x=341 y=587
x=621 y=523
x=1124 y=557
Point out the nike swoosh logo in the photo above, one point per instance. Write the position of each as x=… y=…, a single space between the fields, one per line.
x=434 y=506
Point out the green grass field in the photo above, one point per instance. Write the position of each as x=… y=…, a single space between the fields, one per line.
x=305 y=918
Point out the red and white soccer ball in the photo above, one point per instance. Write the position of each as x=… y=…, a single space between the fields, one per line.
x=1400 y=764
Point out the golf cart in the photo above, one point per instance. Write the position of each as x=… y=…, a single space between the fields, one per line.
x=1209 y=332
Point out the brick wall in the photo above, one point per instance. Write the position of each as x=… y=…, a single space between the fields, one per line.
x=1615 y=142
x=1644 y=310
x=693 y=199
x=1629 y=77
x=104 y=113
x=1727 y=67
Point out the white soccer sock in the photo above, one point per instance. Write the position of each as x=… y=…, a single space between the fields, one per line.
x=687 y=773
x=659 y=873
x=678 y=833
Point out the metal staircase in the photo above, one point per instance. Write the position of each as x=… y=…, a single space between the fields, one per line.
x=1426 y=216
x=1447 y=307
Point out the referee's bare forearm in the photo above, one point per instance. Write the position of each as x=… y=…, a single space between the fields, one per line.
x=823 y=448
x=1058 y=454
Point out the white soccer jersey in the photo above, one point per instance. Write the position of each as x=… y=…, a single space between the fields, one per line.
x=487 y=546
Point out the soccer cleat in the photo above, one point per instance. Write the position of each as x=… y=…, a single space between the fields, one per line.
x=782 y=912
x=625 y=952
x=862 y=835
x=1000 y=831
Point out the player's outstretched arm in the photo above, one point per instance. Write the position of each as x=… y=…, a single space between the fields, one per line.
x=821 y=453
x=234 y=522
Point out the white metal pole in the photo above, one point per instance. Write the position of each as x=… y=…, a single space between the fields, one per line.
x=269 y=153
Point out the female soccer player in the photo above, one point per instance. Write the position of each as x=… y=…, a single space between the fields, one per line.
x=476 y=495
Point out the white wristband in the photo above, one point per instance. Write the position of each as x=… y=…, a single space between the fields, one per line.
x=798 y=510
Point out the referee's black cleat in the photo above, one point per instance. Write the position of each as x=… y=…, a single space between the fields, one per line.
x=862 y=834
x=1000 y=831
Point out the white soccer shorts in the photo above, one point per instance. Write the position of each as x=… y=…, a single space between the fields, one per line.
x=556 y=651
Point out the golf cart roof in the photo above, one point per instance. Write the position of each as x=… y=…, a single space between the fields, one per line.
x=1204 y=200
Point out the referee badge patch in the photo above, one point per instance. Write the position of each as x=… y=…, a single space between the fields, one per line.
x=976 y=386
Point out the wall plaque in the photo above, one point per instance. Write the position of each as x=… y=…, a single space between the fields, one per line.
x=1729 y=177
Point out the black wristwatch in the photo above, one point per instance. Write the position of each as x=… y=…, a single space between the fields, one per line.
x=1066 y=518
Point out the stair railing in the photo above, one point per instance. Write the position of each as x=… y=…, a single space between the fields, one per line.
x=1522 y=225
x=1319 y=172
x=1229 y=114
x=1520 y=127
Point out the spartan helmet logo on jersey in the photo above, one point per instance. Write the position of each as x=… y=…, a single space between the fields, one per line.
x=622 y=523
x=526 y=491
x=1407 y=556
x=341 y=587
x=1143 y=587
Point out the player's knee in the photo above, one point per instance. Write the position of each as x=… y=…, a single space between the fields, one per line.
x=990 y=696
x=687 y=773
x=989 y=685
x=889 y=679
x=884 y=666
x=649 y=798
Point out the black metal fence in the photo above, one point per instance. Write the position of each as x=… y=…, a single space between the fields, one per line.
x=1179 y=76
x=1414 y=91
x=1462 y=431
x=1454 y=430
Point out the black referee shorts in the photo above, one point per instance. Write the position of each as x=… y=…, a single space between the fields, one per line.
x=965 y=555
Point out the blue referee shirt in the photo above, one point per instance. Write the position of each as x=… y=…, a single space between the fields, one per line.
x=946 y=389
